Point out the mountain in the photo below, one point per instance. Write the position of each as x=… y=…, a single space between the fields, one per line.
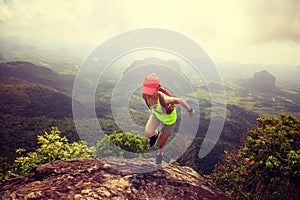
x=28 y=90
x=32 y=100
x=22 y=98
x=1 y=57
x=37 y=74
x=263 y=95
x=91 y=179
x=169 y=72
x=8 y=44
x=285 y=74
x=264 y=82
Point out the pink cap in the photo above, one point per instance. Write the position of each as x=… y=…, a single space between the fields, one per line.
x=151 y=84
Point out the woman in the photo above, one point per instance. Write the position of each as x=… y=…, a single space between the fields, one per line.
x=161 y=113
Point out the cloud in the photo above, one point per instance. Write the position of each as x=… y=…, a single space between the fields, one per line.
x=61 y=21
x=225 y=29
x=274 y=20
x=5 y=12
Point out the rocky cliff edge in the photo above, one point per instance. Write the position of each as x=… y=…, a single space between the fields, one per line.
x=91 y=179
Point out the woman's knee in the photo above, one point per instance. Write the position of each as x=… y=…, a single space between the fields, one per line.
x=149 y=132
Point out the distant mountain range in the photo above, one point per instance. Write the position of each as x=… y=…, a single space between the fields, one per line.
x=34 y=98
x=284 y=73
x=37 y=74
x=1 y=57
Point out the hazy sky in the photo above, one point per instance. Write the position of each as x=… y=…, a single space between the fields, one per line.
x=255 y=31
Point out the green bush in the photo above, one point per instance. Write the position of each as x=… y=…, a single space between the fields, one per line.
x=52 y=147
x=4 y=169
x=267 y=166
x=113 y=144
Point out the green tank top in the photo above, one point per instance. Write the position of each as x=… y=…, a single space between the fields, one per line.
x=160 y=114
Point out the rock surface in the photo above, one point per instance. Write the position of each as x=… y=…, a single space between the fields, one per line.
x=91 y=179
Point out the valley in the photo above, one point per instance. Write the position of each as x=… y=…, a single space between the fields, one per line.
x=34 y=98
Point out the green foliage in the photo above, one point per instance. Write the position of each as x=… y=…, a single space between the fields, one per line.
x=124 y=141
x=52 y=147
x=173 y=162
x=4 y=169
x=267 y=166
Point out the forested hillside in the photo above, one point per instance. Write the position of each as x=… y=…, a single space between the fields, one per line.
x=32 y=99
x=35 y=98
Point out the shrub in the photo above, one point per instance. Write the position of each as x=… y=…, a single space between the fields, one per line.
x=122 y=141
x=52 y=147
x=267 y=166
x=4 y=169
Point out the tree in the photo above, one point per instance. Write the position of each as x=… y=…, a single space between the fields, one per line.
x=52 y=147
x=267 y=166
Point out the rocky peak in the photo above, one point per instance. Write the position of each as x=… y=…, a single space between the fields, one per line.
x=264 y=82
x=91 y=179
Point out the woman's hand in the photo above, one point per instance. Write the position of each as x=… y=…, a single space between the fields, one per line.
x=191 y=112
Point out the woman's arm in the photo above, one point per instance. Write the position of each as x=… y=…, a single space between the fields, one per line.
x=174 y=100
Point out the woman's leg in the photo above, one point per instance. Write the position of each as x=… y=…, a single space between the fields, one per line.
x=165 y=133
x=162 y=142
x=151 y=126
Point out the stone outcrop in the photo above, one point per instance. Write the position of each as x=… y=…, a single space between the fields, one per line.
x=264 y=82
x=91 y=179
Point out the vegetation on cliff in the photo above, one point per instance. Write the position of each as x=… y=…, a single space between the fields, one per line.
x=267 y=166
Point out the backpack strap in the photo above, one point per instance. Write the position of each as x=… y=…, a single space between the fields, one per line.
x=146 y=102
x=169 y=108
x=163 y=90
x=162 y=100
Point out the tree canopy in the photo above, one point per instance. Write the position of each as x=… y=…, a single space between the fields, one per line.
x=267 y=166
